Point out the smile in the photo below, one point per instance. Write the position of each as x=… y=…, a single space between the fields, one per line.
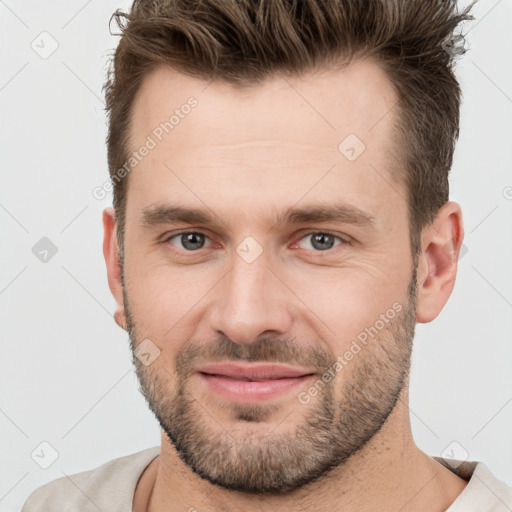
x=245 y=383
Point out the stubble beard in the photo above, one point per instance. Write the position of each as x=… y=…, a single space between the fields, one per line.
x=280 y=461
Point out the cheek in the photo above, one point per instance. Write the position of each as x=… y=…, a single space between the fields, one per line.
x=342 y=303
x=163 y=301
x=338 y=303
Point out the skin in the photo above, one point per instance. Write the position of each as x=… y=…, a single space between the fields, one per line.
x=248 y=154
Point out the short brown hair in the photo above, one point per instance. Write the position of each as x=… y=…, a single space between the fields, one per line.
x=245 y=41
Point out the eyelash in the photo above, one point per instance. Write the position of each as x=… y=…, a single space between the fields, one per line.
x=309 y=233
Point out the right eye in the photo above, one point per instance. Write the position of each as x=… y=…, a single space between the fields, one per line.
x=191 y=241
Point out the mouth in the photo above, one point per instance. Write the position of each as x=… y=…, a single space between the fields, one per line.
x=245 y=383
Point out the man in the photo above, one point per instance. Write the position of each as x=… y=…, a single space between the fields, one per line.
x=281 y=221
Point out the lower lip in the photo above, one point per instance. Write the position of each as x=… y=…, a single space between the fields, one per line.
x=243 y=391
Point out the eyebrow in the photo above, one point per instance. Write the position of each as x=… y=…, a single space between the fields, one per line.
x=339 y=213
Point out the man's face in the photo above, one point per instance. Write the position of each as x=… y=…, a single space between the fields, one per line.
x=330 y=302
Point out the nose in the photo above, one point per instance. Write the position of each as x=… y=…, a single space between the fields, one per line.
x=250 y=301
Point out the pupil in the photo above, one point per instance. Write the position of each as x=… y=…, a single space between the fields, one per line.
x=189 y=239
x=321 y=238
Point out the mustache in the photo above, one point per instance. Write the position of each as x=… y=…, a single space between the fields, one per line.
x=272 y=350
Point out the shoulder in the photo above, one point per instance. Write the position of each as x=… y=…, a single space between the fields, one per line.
x=488 y=490
x=98 y=488
x=484 y=490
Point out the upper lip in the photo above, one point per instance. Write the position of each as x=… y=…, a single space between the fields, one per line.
x=253 y=371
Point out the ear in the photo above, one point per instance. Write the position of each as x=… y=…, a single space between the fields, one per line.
x=111 y=255
x=437 y=264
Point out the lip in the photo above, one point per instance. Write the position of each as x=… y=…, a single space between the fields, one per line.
x=251 y=382
x=254 y=372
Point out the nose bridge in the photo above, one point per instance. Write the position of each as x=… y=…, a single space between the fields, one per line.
x=250 y=299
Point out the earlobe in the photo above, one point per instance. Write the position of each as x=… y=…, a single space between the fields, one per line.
x=120 y=317
x=110 y=252
x=437 y=265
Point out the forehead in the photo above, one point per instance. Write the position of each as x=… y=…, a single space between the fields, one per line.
x=273 y=139
x=326 y=104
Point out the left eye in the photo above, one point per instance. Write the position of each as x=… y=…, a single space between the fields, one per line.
x=320 y=241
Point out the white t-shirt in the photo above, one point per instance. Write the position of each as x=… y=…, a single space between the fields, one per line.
x=111 y=487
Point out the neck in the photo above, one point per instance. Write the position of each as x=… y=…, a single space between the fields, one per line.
x=389 y=473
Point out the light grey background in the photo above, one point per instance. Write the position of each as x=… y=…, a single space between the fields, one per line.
x=65 y=369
